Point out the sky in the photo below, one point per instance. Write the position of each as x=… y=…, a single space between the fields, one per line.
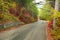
x=38 y=0
x=39 y=6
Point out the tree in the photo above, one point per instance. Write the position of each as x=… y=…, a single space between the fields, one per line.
x=46 y=12
x=52 y=3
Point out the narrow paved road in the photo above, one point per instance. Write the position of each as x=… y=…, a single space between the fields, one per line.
x=33 y=31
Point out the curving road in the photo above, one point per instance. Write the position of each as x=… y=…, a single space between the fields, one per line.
x=33 y=31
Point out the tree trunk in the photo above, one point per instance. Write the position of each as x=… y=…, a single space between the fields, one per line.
x=57 y=5
x=57 y=9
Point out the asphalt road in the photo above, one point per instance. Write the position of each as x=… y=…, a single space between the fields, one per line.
x=33 y=31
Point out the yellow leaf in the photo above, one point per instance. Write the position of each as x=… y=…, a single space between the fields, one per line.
x=56 y=14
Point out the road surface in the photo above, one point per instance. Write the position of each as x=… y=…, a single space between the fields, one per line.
x=33 y=31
